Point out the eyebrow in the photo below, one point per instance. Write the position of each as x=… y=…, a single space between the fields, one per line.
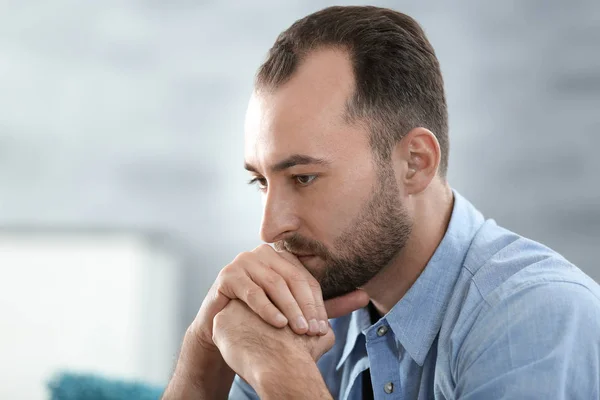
x=291 y=161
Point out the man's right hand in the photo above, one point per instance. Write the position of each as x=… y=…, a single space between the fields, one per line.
x=277 y=287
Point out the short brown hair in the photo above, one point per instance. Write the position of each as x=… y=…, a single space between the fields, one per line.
x=399 y=84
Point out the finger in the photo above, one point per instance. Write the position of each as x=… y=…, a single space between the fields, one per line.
x=347 y=303
x=254 y=296
x=316 y=289
x=298 y=280
x=213 y=303
x=280 y=294
x=320 y=306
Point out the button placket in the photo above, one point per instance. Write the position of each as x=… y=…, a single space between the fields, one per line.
x=382 y=336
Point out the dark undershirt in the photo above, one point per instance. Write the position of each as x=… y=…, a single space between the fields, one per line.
x=367 y=386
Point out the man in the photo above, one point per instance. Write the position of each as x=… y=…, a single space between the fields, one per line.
x=347 y=140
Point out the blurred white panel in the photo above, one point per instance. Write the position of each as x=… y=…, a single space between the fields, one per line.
x=102 y=303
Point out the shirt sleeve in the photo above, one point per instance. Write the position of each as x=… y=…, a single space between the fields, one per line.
x=537 y=342
x=240 y=390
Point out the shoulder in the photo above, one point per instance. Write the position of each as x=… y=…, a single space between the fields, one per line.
x=538 y=315
x=528 y=332
x=529 y=288
x=539 y=338
x=501 y=264
x=519 y=310
x=506 y=277
x=516 y=297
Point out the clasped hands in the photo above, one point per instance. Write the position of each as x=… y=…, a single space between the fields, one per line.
x=264 y=317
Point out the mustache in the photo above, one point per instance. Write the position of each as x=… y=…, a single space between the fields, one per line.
x=301 y=245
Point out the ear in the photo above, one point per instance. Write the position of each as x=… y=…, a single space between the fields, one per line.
x=419 y=155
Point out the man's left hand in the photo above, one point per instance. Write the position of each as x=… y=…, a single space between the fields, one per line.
x=275 y=362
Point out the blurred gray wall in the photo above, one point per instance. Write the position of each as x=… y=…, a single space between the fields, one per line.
x=129 y=114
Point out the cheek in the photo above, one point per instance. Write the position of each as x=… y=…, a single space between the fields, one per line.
x=336 y=206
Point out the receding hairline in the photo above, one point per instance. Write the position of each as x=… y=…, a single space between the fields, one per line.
x=348 y=115
x=302 y=54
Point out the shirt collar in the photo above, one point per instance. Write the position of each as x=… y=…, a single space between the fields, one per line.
x=416 y=319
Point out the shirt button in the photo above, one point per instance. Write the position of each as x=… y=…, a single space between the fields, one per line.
x=382 y=330
x=388 y=387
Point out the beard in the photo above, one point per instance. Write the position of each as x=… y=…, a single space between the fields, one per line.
x=371 y=242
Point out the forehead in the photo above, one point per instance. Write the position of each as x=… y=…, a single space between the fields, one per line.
x=306 y=114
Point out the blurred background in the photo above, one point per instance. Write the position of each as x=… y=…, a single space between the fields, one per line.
x=122 y=191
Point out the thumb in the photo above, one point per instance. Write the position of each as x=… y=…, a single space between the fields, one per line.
x=343 y=305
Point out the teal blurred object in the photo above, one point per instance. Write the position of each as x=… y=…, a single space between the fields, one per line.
x=71 y=386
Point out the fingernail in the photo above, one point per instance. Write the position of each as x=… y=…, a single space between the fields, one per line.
x=301 y=323
x=280 y=319
x=314 y=326
x=323 y=327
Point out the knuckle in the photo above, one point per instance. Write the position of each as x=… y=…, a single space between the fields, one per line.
x=220 y=329
x=253 y=294
x=244 y=256
x=330 y=339
x=225 y=272
x=266 y=310
x=262 y=248
x=231 y=268
x=218 y=322
x=328 y=343
x=320 y=306
x=225 y=277
x=219 y=284
x=291 y=306
x=309 y=304
x=314 y=285
x=321 y=345
x=319 y=299
x=297 y=277
x=274 y=281
x=243 y=261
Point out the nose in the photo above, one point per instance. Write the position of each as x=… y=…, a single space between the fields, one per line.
x=279 y=217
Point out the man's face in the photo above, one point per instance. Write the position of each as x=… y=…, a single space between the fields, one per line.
x=325 y=197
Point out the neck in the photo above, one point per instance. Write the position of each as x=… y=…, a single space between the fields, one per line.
x=431 y=211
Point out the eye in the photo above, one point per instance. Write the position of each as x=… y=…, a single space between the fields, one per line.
x=304 y=180
x=261 y=183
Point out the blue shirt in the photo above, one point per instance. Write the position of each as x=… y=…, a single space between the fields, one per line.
x=492 y=316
